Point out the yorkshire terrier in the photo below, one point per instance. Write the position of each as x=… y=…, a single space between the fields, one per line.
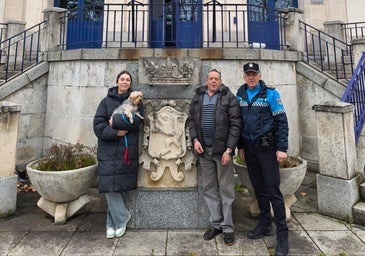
x=130 y=106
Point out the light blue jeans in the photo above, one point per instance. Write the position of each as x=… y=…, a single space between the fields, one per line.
x=117 y=214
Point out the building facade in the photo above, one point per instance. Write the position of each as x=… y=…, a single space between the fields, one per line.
x=315 y=11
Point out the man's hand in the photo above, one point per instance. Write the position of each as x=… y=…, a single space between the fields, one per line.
x=226 y=158
x=241 y=154
x=281 y=156
x=198 y=147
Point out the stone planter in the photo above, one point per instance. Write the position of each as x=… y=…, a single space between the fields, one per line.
x=290 y=180
x=63 y=193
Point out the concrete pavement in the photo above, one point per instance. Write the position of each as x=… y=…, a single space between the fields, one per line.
x=32 y=232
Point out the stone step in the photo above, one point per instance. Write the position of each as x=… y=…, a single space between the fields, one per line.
x=4 y=76
x=358 y=212
x=347 y=59
x=344 y=81
x=362 y=190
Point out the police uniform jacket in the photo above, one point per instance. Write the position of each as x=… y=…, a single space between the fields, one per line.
x=264 y=115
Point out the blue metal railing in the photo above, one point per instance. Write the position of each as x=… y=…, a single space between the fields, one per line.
x=327 y=53
x=21 y=51
x=355 y=94
x=128 y=25
x=353 y=31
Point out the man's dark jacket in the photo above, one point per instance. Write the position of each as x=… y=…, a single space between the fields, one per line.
x=227 y=125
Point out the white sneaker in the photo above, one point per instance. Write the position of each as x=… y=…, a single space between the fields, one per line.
x=110 y=233
x=120 y=231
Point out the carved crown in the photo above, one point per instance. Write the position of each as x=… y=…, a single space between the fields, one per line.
x=169 y=71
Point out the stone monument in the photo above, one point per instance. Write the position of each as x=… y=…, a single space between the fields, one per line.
x=167 y=194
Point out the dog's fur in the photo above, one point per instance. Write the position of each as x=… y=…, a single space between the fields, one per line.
x=130 y=106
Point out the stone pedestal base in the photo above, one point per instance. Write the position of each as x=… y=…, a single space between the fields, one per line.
x=8 y=194
x=162 y=209
x=337 y=196
x=62 y=211
x=253 y=207
x=289 y=200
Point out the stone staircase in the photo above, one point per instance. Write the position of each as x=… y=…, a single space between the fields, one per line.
x=343 y=72
x=6 y=75
x=358 y=210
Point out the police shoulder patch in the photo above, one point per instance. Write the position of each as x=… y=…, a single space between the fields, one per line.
x=278 y=100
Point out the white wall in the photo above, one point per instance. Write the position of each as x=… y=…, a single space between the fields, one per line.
x=14 y=10
x=34 y=15
x=2 y=10
x=355 y=10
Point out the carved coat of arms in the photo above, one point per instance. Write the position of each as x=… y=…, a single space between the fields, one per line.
x=167 y=133
x=166 y=144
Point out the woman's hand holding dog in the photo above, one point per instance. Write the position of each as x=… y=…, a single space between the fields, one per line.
x=120 y=133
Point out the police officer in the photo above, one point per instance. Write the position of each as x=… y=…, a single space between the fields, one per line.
x=263 y=145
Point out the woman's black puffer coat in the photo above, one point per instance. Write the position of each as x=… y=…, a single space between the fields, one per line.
x=115 y=173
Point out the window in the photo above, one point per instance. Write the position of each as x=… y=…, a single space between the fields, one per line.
x=188 y=10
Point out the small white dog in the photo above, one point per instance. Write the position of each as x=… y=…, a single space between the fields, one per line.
x=130 y=106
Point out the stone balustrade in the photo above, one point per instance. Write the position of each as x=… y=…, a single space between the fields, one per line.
x=9 y=121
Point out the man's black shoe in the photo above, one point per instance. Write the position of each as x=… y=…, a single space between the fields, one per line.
x=260 y=231
x=228 y=238
x=211 y=233
x=282 y=248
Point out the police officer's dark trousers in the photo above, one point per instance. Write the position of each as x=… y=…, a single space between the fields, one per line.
x=263 y=170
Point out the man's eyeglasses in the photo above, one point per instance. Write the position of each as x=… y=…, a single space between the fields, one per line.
x=214 y=69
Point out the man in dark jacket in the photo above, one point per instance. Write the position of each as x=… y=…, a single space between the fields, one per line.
x=263 y=144
x=117 y=153
x=215 y=126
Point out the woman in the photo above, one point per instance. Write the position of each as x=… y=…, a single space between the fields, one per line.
x=117 y=153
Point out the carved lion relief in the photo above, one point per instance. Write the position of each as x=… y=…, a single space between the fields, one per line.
x=166 y=143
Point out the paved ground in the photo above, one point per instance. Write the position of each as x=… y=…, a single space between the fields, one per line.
x=32 y=232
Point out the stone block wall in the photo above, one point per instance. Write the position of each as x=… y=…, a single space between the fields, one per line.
x=77 y=82
x=60 y=105
x=30 y=92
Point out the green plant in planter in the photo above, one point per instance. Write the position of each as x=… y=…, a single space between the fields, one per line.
x=62 y=157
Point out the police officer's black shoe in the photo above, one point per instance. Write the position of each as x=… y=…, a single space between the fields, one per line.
x=282 y=248
x=211 y=233
x=260 y=231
